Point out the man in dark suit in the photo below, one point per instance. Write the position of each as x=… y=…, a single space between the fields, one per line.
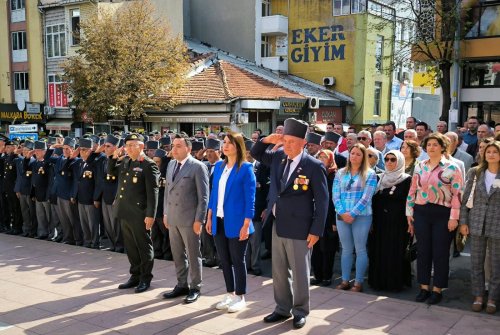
x=298 y=202
x=23 y=188
x=135 y=205
x=40 y=184
x=10 y=176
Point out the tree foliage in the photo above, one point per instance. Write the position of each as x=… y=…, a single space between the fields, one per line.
x=127 y=58
x=432 y=25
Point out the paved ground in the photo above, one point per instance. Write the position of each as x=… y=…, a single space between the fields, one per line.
x=50 y=288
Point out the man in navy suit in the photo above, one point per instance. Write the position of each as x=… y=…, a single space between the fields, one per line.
x=298 y=203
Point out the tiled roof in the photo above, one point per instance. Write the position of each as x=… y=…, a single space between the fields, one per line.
x=223 y=82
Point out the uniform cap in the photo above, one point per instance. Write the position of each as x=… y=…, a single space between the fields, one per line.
x=212 y=144
x=197 y=146
x=86 y=143
x=165 y=141
x=70 y=141
x=29 y=145
x=152 y=145
x=296 y=128
x=40 y=145
x=313 y=138
x=160 y=153
x=112 y=139
x=134 y=137
x=332 y=137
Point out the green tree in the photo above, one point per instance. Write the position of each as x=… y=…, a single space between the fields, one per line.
x=126 y=60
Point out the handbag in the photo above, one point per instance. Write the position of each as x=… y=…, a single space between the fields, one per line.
x=460 y=241
x=411 y=251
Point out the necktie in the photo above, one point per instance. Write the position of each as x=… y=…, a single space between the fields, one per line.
x=284 y=178
x=178 y=167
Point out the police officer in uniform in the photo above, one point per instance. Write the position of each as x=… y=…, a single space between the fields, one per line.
x=135 y=205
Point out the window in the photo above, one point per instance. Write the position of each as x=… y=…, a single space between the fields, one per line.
x=57 y=95
x=341 y=7
x=75 y=26
x=266 y=8
x=379 y=53
x=358 y=6
x=481 y=74
x=19 y=40
x=377 y=95
x=56 y=41
x=265 y=50
x=21 y=81
x=16 y=4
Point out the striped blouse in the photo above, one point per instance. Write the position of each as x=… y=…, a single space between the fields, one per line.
x=351 y=196
x=442 y=185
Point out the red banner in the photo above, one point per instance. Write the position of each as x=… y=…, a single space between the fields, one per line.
x=58 y=95
x=64 y=95
x=51 y=95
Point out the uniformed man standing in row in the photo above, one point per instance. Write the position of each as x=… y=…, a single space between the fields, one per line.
x=23 y=188
x=10 y=176
x=40 y=184
x=135 y=205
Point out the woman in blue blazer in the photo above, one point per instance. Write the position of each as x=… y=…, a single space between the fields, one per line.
x=230 y=213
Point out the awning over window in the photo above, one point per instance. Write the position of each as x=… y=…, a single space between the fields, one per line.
x=59 y=125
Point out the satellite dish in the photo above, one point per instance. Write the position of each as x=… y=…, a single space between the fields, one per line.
x=21 y=104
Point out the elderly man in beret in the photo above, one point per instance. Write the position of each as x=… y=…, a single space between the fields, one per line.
x=298 y=204
x=135 y=205
x=23 y=188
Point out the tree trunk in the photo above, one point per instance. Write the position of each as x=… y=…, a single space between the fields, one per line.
x=445 y=83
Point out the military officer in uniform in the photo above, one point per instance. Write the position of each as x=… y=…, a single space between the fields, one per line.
x=298 y=203
x=40 y=184
x=135 y=205
x=23 y=188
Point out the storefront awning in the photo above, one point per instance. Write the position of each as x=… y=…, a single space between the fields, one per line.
x=189 y=118
x=59 y=125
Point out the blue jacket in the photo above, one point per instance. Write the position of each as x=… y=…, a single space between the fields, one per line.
x=300 y=210
x=239 y=198
x=24 y=174
x=41 y=180
x=66 y=178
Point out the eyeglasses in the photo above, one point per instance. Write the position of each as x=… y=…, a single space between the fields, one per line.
x=362 y=138
x=390 y=159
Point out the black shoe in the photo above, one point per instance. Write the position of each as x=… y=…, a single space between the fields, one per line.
x=435 y=298
x=314 y=282
x=325 y=283
x=299 y=321
x=111 y=249
x=25 y=234
x=142 y=287
x=422 y=296
x=129 y=284
x=266 y=255
x=120 y=250
x=68 y=242
x=210 y=264
x=58 y=238
x=176 y=292
x=43 y=237
x=275 y=317
x=456 y=254
x=192 y=296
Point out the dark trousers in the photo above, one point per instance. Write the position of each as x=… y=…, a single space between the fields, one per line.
x=433 y=243
x=208 y=250
x=161 y=241
x=232 y=257
x=323 y=255
x=267 y=233
x=137 y=241
x=4 y=213
x=14 y=208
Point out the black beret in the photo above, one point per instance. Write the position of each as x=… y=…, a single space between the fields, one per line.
x=134 y=137
x=94 y=138
x=86 y=143
x=294 y=127
x=332 y=137
x=196 y=146
x=40 y=145
x=69 y=141
x=112 y=139
x=212 y=144
x=165 y=141
x=160 y=153
x=29 y=145
x=313 y=138
x=248 y=145
x=152 y=145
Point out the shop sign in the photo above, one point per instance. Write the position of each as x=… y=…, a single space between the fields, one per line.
x=329 y=114
x=33 y=108
x=9 y=112
x=23 y=136
x=224 y=118
x=23 y=128
x=318 y=44
x=290 y=106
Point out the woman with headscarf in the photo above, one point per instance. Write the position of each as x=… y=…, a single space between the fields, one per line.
x=388 y=269
x=323 y=255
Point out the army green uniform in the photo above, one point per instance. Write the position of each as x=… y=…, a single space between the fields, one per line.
x=136 y=199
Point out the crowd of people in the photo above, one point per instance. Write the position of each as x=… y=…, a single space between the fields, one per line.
x=297 y=196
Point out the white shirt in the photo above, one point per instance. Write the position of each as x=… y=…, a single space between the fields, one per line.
x=222 y=190
x=489 y=179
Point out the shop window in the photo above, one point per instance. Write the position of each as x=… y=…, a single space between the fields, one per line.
x=56 y=41
x=481 y=74
x=21 y=81
x=377 y=97
x=75 y=26
x=19 y=40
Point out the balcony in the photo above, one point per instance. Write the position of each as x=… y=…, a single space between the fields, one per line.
x=274 y=25
x=277 y=63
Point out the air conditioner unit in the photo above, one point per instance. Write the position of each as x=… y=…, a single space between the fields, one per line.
x=313 y=102
x=241 y=118
x=48 y=110
x=329 y=81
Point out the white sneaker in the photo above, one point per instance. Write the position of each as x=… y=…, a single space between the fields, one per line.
x=237 y=304
x=225 y=302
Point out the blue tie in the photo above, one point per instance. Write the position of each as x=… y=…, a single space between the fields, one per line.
x=284 y=178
